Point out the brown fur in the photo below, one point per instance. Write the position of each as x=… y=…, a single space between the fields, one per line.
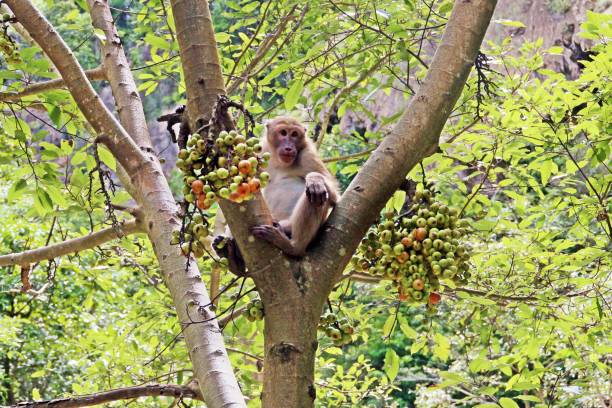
x=301 y=191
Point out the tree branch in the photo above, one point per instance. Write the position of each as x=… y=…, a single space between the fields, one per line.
x=127 y=100
x=71 y=246
x=263 y=49
x=244 y=353
x=150 y=390
x=230 y=317
x=96 y=74
x=246 y=46
x=363 y=277
x=341 y=93
x=349 y=156
x=110 y=131
x=204 y=82
x=151 y=191
x=413 y=138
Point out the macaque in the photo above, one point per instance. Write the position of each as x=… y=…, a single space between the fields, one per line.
x=301 y=191
x=300 y=194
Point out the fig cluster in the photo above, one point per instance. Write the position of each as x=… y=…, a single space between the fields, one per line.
x=229 y=166
x=417 y=249
x=254 y=310
x=8 y=47
x=195 y=234
x=340 y=331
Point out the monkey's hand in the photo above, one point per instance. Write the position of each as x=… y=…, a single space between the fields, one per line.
x=316 y=190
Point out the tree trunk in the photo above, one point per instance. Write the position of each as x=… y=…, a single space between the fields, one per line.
x=150 y=189
x=292 y=311
x=290 y=346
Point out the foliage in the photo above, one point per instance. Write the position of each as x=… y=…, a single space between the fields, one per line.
x=532 y=173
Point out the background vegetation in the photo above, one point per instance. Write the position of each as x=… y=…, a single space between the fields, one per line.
x=525 y=156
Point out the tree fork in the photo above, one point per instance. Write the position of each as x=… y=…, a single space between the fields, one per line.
x=283 y=283
x=292 y=291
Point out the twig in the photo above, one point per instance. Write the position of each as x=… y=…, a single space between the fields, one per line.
x=349 y=156
x=246 y=47
x=348 y=88
x=70 y=246
x=485 y=177
x=237 y=312
x=244 y=353
x=150 y=390
x=96 y=74
x=263 y=49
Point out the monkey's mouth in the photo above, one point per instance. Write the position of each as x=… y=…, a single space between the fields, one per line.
x=287 y=158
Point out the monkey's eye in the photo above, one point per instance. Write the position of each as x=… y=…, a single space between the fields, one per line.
x=283 y=132
x=294 y=134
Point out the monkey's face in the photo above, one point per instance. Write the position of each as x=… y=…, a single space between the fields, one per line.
x=287 y=140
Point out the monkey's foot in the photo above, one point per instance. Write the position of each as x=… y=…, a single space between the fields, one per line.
x=274 y=235
x=226 y=247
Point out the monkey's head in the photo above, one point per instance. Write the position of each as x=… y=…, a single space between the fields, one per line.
x=285 y=138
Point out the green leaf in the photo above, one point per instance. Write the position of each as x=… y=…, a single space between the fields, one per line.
x=222 y=37
x=454 y=377
x=107 y=157
x=44 y=199
x=16 y=190
x=441 y=347
x=157 y=42
x=528 y=398
x=389 y=325
x=547 y=168
x=599 y=308
x=399 y=197
x=78 y=158
x=38 y=374
x=66 y=147
x=446 y=7
x=510 y=23
x=293 y=94
x=57 y=196
x=56 y=115
x=406 y=329
x=392 y=363
x=418 y=345
x=478 y=364
x=507 y=403
x=100 y=35
x=482 y=301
